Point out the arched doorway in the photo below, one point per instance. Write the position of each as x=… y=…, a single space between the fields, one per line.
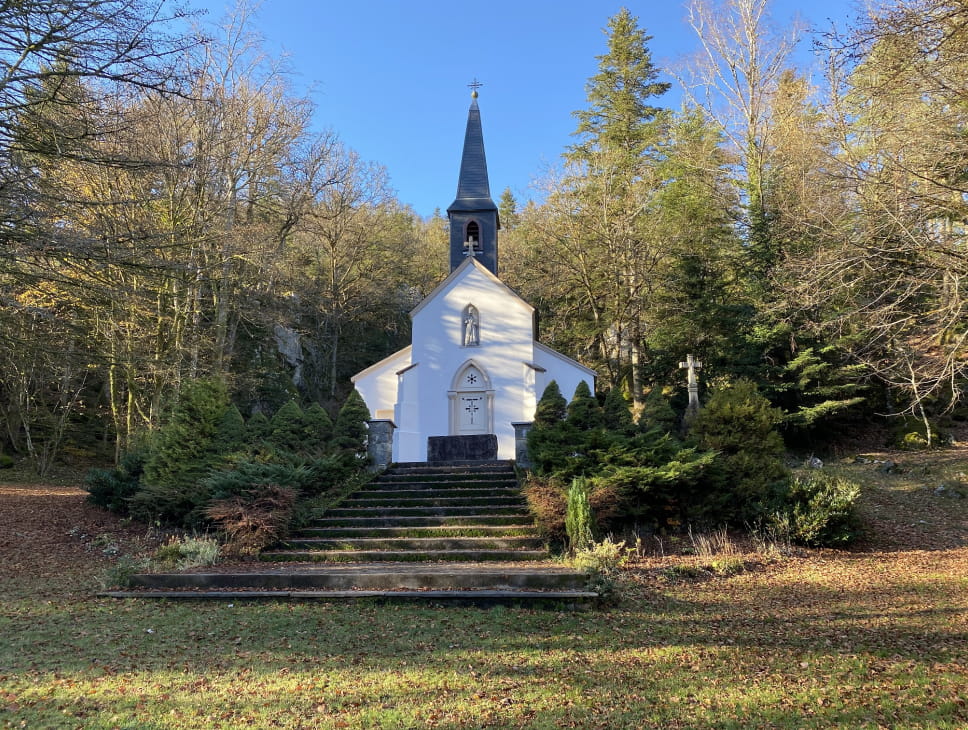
x=471 y=398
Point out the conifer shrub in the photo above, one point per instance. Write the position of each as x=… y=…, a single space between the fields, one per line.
x=318 y=427
x=578 y=516
x=650 y=477
x=182 y=452
x=112 y=488
x=748 y=474
x=350 y=429
x=617 y=413
x=248 y=475
x=552 y=407
x=185 y=448
x=288 y=428
x=257 y=429
x=555 y=445
x=818 y=510
x=583 y=412
x=632 y=475
x=657 y=412
x=230 y=435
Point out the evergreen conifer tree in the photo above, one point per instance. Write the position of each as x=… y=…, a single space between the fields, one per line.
x=583 y=411
x=552 y=408
x=658 y=412
x=231 y=431
x=350 y=429
x=257 y=428
x=288 y=427
x=318 y=426
x=184 y=448
x=748 y=474
x=616 y=413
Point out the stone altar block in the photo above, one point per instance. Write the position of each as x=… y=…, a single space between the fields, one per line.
x=475 y=447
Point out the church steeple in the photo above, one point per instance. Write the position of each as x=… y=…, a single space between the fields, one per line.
x=473 y=215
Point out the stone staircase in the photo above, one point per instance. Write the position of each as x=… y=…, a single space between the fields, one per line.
x=456 y=532
x=417 y=512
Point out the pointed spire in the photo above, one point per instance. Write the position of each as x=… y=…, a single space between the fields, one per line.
x=473 y=189
x=473 y=215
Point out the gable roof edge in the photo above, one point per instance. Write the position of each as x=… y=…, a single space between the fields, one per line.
x=470 y=261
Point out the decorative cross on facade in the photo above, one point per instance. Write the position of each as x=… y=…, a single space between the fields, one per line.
x=471 y=409
x=692 y=364
x=470 y=248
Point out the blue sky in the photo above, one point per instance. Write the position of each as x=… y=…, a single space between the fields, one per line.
x=390 y=76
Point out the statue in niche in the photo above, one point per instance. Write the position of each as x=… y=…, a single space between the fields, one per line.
x=471 y=327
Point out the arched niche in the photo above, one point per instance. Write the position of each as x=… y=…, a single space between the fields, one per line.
x=470 y=324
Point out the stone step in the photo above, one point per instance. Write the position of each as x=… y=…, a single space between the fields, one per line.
x=433 y=501
x=423 y=520
x=388 y=484
x=547 y=599
x=434 y=492
x=365 y=556
x=373 y=576
x=472 y=530
x=426 y=511
x=420 y=544
x=450 y=467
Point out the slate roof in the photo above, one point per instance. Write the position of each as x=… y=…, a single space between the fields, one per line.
x=473 y=189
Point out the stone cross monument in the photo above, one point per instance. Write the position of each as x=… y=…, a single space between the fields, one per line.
x=692 y=365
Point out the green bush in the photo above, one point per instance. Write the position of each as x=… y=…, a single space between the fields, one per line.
x=583 y=412
x=230 y=435
x=288 y=428
x=112 y=488
x=819 y=510
x=318 y=427
x=248 y=475
x=552 y=407
x=257 y=429
x=657 y=412
x=578 y=516
x=616 y=413
x=185 y=447
x=555 y=445
x=740 y=424
x=651 y=477
x=6 y=461
x=350 y=429
x=167 y=504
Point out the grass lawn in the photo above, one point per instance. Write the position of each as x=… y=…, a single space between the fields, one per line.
x=877 y=637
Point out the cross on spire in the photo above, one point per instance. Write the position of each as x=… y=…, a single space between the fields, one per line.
x=474 y=86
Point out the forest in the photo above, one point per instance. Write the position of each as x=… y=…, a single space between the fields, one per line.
x=168 y=214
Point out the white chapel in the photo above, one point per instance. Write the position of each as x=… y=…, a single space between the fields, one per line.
x=474 y=371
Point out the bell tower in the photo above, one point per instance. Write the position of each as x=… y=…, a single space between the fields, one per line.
x=473 y=215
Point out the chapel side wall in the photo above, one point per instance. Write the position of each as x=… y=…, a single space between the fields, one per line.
x=378 y=388
x=563 y=372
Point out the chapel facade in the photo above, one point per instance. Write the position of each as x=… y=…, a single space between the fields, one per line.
x=474 y=367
